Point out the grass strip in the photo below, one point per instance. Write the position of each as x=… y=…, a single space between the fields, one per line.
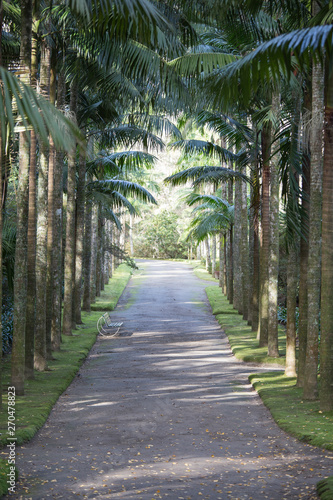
x=32 y=409
x=302 y=419
x=243 y=341
x=109 y=298
x=200 y=271
x=325 y=488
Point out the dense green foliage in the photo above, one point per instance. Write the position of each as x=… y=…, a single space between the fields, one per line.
x=158 y=237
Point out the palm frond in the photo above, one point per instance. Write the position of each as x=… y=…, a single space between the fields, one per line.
x=21 y=109
x=204 y=174
x=194 y=146
x=202 y=63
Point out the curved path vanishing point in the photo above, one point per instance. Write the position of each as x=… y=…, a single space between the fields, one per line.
x=165 y=411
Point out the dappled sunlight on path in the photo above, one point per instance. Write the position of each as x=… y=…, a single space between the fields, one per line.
x=165 y=411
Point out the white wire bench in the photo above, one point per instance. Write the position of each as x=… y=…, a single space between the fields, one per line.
x=106 y=326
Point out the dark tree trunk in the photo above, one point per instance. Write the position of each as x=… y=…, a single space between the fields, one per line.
x=58 y=225
x=70 y=231
x=264 y=254
x=326 y=335
x=20 y=281
x=80 y=206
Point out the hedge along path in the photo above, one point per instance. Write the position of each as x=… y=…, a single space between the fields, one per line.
x=166 y=411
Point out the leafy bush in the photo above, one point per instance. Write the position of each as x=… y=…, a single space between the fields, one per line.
x=7 y=324
x=282 y=316
x=159 y=238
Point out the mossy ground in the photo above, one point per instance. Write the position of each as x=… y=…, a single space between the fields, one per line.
x=302 y=419
x=32 y=409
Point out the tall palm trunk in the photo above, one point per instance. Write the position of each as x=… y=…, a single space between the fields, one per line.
x=303 y=271
x=87 y=257
x=313 y=275
x=292 y=278
x=221 y=261
x=273 y=261
x=31 y=263
x=2 y=159
x=32 y=232
x=208 y=258
x=255 y=207
x=70 y=230
x=93 y=254
x=264 y=254
x=80 y=207
x=213 y=255
x=238 y=296
x=20 y=281
x=58 y=225
x=50 y=218
x=326 y=335
x=40 y=358
x=245 y=252
x=130 y=234
x=99 y=256
x=230 y=247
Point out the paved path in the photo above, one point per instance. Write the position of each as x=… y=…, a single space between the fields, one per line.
x=165 y=411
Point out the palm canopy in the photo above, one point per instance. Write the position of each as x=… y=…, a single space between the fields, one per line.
x=212 y=215
x=283 y=55
x=21 y=109
x=204 y=175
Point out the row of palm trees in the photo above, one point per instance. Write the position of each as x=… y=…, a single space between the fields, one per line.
x=78 y=102
x=254 y=73
x=271 y=103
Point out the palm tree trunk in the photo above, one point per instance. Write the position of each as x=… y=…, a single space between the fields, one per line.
x=273 y=261
x=244 y=251
x=326 y=334
x=102 y=244
x=31 y=263
x=87 y=257
x=255 y=204
x=93 y=254
x=80 y=206
x=303 y=278
x=314 y=257
x=50 y=218
x=40 y=358
x=130 y=233
x=32 y=231
x=99 y=256
x=230 y=247
x=213 y=255
x=264 y=254
x=20 y=279
x=70 y=231
x=238 y=295
x=208 y=258
x=292 y=278
x=221 y=261
x=2 y=160
x=58 y=230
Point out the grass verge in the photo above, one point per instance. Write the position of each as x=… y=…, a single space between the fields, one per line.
x=243 y=341
x=200 y=271
x=32 y=409
x=302 y=419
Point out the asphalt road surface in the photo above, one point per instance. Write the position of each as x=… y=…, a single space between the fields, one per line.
x=165 y=411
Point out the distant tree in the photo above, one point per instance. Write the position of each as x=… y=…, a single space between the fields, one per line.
x=160 y=238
